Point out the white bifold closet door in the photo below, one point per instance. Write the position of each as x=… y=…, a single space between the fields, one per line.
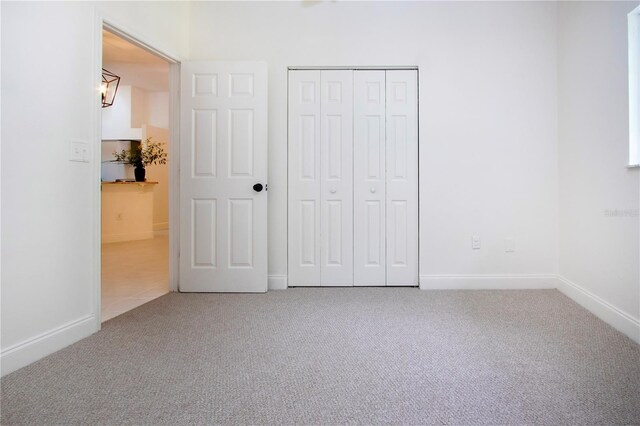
x=353 y=178
x=321 y=178
x=370 y=178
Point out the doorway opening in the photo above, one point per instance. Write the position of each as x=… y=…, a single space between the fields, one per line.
x=134 y=209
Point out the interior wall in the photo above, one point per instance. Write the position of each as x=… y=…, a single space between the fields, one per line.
x=124 y=118
x=48 y=99
x=488 y=118
x=159 y=173
x=158 y=109
x=599 y=196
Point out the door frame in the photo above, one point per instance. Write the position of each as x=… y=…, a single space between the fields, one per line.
x=102 y=21
x=358 y=68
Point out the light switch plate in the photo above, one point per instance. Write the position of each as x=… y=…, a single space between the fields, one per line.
x=475 y=242
x=79 y=151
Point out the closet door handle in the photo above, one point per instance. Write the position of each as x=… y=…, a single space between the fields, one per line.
x=332 y=190
x=373 y=190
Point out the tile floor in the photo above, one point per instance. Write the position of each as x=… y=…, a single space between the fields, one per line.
x=133 y=273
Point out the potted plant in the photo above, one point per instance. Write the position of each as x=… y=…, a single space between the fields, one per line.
x=141 y=155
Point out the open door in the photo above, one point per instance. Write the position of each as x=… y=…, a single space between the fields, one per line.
x=223 y=173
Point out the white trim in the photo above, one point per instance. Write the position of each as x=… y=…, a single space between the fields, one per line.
x=277 y=282
x=174 y=176
x=31 y=350
x=96 y=195
x=608 y=313
x=132 y=37
x=487 y=282
x=356 y=68
x=633 y=20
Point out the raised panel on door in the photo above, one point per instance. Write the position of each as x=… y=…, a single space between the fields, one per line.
x=369 y=178
x=223 y=236
x=336 y=170
x=304 y=174
x=402 y=177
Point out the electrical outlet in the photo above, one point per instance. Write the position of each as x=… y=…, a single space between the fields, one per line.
x=509 y=245
x=79 y=152
x=475 y=242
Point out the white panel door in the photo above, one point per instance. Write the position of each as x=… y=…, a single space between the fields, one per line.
x=369 y=178
x=304 y=240
x=223 y=154
x=402 y=177
x=336 y=171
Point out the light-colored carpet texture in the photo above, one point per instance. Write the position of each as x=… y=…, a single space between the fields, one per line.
x=339 y=356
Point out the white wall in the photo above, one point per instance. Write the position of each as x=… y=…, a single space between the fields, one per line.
x=123 y=119
x=48 y=98
x=599 y=196
x=158 y=109
x=159 y=173
x=488 y=131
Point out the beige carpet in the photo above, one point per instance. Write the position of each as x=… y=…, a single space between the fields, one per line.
x=337 y=356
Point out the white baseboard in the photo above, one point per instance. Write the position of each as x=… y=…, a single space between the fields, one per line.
x=23 y=354
x=608 y=313
x=487 y=282
x=116 y=238
x=161 y=226
x=277 y=282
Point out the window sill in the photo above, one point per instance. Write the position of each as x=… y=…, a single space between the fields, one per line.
x=633 y=166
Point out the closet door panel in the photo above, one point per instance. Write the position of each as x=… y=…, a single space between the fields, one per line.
x=304 y=173
x=369 y=178
x=336 y=171
x=402 y=177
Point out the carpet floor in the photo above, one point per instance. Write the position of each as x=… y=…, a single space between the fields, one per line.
x=339 y=356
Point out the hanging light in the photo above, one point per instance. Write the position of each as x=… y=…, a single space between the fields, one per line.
x=109 y=87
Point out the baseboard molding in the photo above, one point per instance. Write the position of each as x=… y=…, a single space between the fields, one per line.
x=487 y=282
x=608 y=313
x=161 y=226
x=117 y=238
x=277 y=282
x=23 y=354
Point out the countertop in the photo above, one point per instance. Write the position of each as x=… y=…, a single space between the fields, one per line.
x=130 y=183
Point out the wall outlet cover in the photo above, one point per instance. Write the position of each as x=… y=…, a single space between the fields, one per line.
x=79 y=152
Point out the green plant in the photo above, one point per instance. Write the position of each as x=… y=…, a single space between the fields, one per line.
x=143 y=154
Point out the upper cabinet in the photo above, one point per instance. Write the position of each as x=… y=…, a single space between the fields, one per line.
x=124 y=119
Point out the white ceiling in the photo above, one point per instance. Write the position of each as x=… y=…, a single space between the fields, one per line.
x=134 y=65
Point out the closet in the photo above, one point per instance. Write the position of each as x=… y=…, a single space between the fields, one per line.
x=353 y=178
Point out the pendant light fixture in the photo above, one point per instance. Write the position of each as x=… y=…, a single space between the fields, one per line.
x=109 y=87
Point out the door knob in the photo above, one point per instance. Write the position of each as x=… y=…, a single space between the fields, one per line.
x=257 y=187
x=332 y=190
x=373 y=190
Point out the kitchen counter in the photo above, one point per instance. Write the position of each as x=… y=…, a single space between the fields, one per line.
x=130 y=183
x=127 y=211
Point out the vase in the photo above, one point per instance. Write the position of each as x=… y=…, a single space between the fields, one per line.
x=139 y=173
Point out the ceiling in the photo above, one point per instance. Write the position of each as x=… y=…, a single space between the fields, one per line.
x=134 y=65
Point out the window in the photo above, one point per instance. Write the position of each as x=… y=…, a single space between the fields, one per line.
x=634 y=87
